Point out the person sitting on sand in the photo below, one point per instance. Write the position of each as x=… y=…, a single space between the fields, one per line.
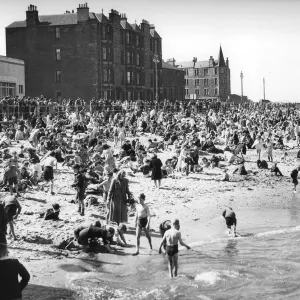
x=12 y=208
x=120 y=235
x=142 y=221
x=171 y=239
x=230 y=217
x=224 y=177
x=275 y=169
x=241 y=170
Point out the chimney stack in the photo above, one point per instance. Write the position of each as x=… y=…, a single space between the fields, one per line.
x=194 y=61
x=211 y=61
x=227 y=62
x=145 y=26
x=83 y=13
x=115 y=17
x=32 y=16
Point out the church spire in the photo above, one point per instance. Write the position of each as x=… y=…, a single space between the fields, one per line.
x=221 y=58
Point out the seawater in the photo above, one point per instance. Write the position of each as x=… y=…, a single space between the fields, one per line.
x=260 y=266
x=263 y=263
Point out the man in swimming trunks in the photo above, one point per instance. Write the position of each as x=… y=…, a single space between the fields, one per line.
x=171 y=238
x=163 y=227
x=142 y=221
x=229 y=216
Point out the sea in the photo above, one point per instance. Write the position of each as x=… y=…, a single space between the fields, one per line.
x=262 y=263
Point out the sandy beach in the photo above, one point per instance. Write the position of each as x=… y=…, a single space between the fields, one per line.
x=197 y=200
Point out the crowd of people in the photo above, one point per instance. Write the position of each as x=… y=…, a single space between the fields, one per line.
x=107 y=141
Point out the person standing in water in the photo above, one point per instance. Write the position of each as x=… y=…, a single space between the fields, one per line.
x=142 y=221
x=171 y=239
x=229 y=216
x=294 y=175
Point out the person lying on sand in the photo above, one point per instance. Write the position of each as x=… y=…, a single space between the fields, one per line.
x=230 y=218
x=171 y=239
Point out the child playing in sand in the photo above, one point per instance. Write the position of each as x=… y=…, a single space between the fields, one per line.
x=142 y=221
x=171 y=239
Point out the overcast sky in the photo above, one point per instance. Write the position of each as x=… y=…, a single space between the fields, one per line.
x=260 y=37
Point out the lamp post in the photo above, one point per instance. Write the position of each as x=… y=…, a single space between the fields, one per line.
x=242 y=77
x=156 y=61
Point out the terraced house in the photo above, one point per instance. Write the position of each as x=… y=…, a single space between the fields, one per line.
x=208 y=79
x=85 y=54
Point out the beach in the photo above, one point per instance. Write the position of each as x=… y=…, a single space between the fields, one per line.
x=262 y=203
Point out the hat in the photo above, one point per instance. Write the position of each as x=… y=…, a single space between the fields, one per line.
x=56 y=206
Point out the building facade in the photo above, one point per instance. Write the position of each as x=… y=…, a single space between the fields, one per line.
x=173 y=83
x=207 y=79
x=87 y=55
x=12 y=77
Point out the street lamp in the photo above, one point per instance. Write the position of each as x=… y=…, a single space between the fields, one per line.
x=242 y=77
x=156 y=61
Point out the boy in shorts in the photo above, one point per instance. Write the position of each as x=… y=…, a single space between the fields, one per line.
x=142 y=221
x=12 y=208
x=11 y=174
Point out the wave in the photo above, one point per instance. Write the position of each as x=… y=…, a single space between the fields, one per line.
x=245 y=236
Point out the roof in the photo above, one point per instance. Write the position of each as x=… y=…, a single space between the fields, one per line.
x=56 y=20
x=154 y=33
x=135 y=27
x=190 y=64
x=221 y=58
x=126 y=25
x=102 y=18
x=169 y=66
x=11 y=60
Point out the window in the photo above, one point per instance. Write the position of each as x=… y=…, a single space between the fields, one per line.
x=195 y=72
x=57 y=54
x=137 y=59
x=57 y=33
x=137 y=40
x=138 y=94
x=216 y=71
x=103 y=32
x=128 y=77
x=155 y=46
x=197 y=82
x=216 y=80
x=109 y=54
x=58 y=97
x=205 y=92
x=197 y=92
x=205 y=82
x=104 y=53
x=205 y=71
x=138 y=78
x=7 y=89
x=128 y=96
x=128 y=57
x=222 y=70
x=186 y=91
x=106 y=75
x=186 y=71
x=186 y=82
x=20 y=89
x=57 y=76
x=127 y=38
x=216 y=92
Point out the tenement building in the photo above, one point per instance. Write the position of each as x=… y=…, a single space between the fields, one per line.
x=87 y=55
x=173 y=83
x=207 y=79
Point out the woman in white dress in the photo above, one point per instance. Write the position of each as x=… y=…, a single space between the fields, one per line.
x=122 y=133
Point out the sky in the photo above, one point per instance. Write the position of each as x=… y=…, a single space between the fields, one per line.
x=259 y=37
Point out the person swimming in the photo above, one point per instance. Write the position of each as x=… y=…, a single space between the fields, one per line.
x=171 y=238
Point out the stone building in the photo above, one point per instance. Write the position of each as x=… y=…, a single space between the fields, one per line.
x=207 y=79
x=173 y=82
x=86 y=54
x=12 y=77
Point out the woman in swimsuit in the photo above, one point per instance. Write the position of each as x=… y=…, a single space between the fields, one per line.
x=142 y=221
